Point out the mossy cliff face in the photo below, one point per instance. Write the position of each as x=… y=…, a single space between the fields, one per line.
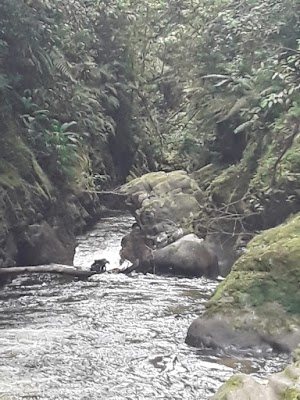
x=37 y=221
x=261 y=293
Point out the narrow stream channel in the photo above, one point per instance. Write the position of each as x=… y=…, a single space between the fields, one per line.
x=110 y=337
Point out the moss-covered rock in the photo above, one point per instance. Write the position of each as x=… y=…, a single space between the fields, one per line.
x=163 y=202
x=268 y=272
x=261 y=293
x=282 y=386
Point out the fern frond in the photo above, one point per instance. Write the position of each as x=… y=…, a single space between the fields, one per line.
x=61 y=64
x=46 y=61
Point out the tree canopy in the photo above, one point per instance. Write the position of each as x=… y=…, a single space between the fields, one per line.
x=196 y=82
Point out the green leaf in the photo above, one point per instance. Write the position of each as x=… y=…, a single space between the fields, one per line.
x=67 y=125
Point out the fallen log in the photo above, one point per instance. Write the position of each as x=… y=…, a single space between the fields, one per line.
x=52 y=269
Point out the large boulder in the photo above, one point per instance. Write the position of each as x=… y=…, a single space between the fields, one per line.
x=218 y=334
x=282 y=386
x=260 y=296
x=164 y=205
x=188 y=256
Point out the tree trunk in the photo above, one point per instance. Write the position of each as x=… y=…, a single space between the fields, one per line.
x=52 y=269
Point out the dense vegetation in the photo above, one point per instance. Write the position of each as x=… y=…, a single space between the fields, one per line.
x=219 y=84
x=64 y=82
x=92 y=91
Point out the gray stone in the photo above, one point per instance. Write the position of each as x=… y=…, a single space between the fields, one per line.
x=163 y=203
x=217 y=334
x=282 y=386
x=188 y=256
x=41 y=244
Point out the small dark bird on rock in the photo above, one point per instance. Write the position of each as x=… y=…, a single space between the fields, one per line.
x=99 y=266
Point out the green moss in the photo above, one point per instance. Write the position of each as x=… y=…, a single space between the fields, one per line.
x=44 y=183
x=262 y=178
x=9 y=176
x=291 y=394
x=230 y=185
x=205 y=175
x=18 y=155
x=287 y=173
x=296 y=355
x=18 y=166
x=230 y=386
x=291 y=372
x=268 y=272
x=153 y=177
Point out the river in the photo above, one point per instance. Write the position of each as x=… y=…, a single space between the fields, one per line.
x=112 y=336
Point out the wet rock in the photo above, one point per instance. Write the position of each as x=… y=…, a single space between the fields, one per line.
x=164 y=204
x=243 y=387
x=41 y=244
x=217 y=334
x=134 y=246
x=282 y=386
x=188 y=256
x=261 y=294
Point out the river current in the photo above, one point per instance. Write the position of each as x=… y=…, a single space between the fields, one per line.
x=112 y=336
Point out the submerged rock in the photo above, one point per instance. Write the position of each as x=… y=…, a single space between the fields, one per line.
x=260 y=295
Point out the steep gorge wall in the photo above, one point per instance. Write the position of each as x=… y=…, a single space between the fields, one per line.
x=66 y=123
x=37 y=220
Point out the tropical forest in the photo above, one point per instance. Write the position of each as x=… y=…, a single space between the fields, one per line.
x=150 y=199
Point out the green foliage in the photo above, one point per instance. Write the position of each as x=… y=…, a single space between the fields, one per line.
x=49 y=136
x=64 y=61
x=62 y=140
x=198 y=78
x=197 y=66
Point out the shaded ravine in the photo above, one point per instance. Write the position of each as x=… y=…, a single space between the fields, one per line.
x=111 y=337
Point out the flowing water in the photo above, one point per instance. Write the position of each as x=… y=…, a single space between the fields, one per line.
x=109 y=337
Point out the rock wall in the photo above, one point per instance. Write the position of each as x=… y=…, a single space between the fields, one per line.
x=38 y=221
